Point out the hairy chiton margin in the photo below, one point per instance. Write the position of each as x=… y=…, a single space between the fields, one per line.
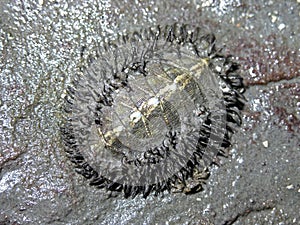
x=152 y=108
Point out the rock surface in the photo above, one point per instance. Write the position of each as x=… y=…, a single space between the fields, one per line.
x=42 y=47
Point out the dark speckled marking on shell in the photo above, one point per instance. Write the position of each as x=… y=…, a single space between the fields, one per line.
x=150 y=109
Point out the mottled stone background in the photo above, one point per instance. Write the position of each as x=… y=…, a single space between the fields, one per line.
x=40 y=51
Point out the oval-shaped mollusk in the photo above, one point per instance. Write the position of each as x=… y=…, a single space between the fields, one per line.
x=152 y=107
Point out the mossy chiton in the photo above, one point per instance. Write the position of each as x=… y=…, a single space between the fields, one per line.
x=152 y=110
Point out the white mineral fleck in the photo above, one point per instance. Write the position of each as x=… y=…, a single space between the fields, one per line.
x=251 y=71
x=273 y=18
x=281 y=26
x=265 y=144
x=240 y=160
x=218 y=68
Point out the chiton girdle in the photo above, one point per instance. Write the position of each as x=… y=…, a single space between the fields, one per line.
x=152 y=108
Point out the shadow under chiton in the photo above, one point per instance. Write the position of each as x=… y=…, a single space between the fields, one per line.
x=152 y=110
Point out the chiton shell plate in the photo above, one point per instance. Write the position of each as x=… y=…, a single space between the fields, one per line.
x=152 y=107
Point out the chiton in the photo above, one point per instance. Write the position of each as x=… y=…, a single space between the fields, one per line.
x=151 y=110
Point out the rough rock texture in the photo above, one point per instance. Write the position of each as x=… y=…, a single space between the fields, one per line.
x=43 y=44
